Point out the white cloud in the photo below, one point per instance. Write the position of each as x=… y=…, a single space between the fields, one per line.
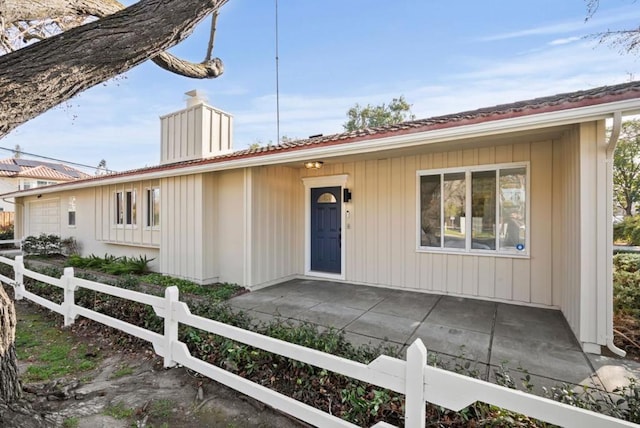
x=564 y=41
x=578 y=24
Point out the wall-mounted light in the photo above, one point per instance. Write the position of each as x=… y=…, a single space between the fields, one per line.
x=346 y=195
x=313 y=164
x=39 y=196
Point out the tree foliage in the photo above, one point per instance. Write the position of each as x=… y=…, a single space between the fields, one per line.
x=398 y=110
x=626 y=167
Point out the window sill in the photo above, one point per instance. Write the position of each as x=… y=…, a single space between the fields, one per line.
x=480 y=253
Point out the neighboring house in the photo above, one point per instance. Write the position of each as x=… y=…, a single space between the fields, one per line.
x=510 y=203
x=24 y=174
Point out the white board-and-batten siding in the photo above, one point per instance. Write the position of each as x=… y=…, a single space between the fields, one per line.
x=381 y=232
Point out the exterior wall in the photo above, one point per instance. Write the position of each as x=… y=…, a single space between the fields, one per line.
x=232 y=226
x=276 y=225
x=381 y=233
x=106 y=229
x=566 y=243
x=89 y=230
x=7 y=185
x=188 y=227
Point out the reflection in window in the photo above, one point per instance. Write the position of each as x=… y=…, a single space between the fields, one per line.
x=454 y=207
x=512 y=209
x=326 y=198
x=483 y=210
x=430 y=211
x=153 y=207
x=474 y=209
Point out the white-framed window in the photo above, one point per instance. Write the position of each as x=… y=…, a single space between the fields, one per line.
x=153 y=207
x=125 y=205
x=72 y=211
x=479 y=209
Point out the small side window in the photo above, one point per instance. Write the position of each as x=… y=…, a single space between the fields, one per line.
x=72 y=211
x=326 y=198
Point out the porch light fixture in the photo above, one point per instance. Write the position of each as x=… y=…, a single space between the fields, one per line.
x=313 y=164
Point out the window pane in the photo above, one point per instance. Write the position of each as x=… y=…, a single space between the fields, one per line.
x=72 y=211
x=156 y=207
x=483 y=210
x=454 y=206
x=119 y=208
x=512 y=209
x=326 y=198
x=72 y=218
x=430 y=211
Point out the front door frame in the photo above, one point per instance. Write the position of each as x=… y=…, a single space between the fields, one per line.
x=312 y=183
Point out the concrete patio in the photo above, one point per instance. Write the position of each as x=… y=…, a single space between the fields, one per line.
x=486 y=333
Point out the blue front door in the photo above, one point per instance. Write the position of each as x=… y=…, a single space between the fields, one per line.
x=326 y=229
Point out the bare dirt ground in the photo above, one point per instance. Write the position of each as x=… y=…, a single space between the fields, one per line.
x=129 y=387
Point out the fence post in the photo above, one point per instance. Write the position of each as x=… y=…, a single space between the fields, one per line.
x=414 y=408
x=171 y=294
x=18 y=269
x=69 y=296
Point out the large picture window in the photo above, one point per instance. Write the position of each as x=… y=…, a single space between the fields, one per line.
x=477 y=209
x=125 y=204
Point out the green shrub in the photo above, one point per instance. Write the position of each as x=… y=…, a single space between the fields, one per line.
x=628 y=230
x=626 y=284
x=111 y=264
x=218 y=292
x=6 y=233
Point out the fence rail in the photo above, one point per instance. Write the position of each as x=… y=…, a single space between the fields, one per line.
x=412 y=377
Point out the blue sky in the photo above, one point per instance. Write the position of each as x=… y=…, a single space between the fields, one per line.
x=444 y=57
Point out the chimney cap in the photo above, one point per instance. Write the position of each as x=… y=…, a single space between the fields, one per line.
x=195 y=97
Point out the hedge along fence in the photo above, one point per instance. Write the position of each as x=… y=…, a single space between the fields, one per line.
x=412 y=377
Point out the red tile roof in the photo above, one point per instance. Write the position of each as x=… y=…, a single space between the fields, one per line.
x=19 y=167
x=554 y=103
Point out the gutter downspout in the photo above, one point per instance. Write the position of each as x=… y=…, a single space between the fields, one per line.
x=611 y=146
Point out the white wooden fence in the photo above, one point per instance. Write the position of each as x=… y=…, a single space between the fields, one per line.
x=412 y=377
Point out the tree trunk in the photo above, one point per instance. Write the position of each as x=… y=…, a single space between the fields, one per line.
x=10 y=389
x=45 y=74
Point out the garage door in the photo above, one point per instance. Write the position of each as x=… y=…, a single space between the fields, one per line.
x=44 y=217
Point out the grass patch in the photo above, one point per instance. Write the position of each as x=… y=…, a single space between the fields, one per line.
x=161 y=409
x=124 y=370
x=50 y=351
x=71 y=423
x=119 y=411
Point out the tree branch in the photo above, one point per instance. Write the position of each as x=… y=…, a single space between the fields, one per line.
x=14 y=11
x=45 y=74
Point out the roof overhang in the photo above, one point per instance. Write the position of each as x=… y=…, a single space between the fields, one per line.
x=407 y=140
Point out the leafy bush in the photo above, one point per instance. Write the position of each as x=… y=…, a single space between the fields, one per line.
x=218 y=292
x=49 y=245
x=6 y=233
x=111 y=264
x=626 y=284
x=628 y=230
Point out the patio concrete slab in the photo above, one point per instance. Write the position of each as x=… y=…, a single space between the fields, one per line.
x=287 y=306
x=390 y=327
x=464 y=313
x=251 y=300
x=330 y=315
x=614 y=372
x=537 y=324
x=415 y=306
x=536 y=340
x=388 y=348
x=540 y=358
x=454 y=341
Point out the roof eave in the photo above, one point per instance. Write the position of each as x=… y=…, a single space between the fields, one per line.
x=443 y=134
